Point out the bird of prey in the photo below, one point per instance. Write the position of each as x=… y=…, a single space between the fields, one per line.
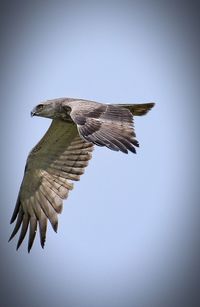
x=63 y=153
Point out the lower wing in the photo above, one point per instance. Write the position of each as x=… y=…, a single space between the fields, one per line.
x=59 y=158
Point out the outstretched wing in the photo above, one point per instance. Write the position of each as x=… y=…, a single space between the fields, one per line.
x=58 y=158
x=106 y=125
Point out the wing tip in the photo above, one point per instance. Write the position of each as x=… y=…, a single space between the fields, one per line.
x=12 y=220
x=16 y=210
x=149 y=106
x=55 y=227
x=29 y=247
x=18 y=244
x=11 y=237
x=42 y=244
x=140 y=108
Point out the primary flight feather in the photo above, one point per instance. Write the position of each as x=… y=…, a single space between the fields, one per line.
x=63 y=153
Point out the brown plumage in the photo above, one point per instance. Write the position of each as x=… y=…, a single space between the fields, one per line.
x=63 y=153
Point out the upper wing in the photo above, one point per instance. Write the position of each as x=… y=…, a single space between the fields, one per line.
x=106 y=125
x=60 y=156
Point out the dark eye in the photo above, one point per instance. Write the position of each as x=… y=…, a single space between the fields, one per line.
x=40 y=107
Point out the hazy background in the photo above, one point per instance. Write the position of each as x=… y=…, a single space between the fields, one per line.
x=129 y=232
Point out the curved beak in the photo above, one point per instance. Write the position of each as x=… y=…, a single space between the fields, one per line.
x=33 y=112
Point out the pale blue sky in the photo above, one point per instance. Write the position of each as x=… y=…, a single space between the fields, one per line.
x=127 y=234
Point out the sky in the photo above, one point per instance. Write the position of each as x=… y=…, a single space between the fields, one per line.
x=129 y=232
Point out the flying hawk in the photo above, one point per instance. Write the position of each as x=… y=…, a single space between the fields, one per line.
x=63 y=153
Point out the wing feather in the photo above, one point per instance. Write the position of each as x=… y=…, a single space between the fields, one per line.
x=53 y=198
x=43 y=228
x=24 y=228
x=32 y=231
x=47 y=209
x=138 y=109
x=18 y=223
x=16 y=210
x=107 y=125
x=55 y=188
x=60 y=156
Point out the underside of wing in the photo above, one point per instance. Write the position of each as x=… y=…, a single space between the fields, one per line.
x=107 y=125
x=59 y=158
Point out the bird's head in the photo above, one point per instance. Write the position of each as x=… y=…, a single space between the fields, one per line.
x=50 y=109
